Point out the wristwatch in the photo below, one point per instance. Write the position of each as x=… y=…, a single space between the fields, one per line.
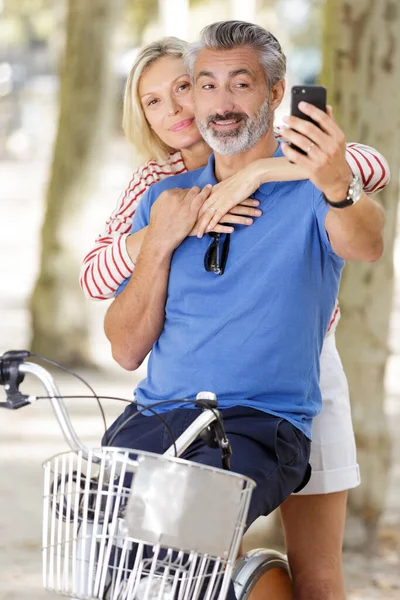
x=353 y=195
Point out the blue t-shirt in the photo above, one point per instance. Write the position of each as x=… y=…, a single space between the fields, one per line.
x=253 y=335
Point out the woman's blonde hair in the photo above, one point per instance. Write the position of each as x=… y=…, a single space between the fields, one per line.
x=134 y=122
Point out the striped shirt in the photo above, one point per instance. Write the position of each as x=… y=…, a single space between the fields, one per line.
x=108 y=264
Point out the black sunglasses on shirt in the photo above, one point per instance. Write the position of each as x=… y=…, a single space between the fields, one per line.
x=216 y=254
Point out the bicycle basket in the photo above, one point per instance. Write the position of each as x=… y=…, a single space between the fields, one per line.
x=127 y=525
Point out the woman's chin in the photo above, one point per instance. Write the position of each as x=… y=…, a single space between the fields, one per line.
x=188 y=141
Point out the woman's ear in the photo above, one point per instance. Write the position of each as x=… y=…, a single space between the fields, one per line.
x=276 y=94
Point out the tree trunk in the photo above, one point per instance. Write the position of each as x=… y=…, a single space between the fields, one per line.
x=58 y=308
x=362 y=74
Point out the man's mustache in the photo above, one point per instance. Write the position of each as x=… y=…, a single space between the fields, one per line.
x=232 y=116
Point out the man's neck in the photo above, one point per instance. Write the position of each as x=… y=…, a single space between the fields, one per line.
x=196 y=156
x=225 y=166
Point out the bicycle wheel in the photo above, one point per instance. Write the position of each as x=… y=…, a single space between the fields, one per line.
x=262 y=574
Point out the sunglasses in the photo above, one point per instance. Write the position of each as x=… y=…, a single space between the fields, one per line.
x=216 y=254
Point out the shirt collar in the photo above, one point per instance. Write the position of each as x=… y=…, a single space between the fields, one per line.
x=207 y=175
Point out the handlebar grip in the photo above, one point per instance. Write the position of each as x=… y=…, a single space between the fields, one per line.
x=11 y=377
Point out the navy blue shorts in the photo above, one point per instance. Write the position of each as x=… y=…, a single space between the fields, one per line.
x=266 y=448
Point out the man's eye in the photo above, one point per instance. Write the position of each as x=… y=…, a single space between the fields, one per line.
x=208 y=86
x=242 y=85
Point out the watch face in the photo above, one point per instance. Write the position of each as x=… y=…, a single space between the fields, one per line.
x=356 y=189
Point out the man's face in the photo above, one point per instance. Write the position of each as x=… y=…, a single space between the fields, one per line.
x=232 y=104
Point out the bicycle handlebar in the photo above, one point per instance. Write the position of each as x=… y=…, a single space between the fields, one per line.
x=13 y=370
x=12 y=373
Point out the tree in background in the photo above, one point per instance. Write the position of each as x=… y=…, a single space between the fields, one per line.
x=139 y=14
x=362 y=74
x=58 y=308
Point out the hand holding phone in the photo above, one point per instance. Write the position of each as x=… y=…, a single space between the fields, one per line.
x=313 y=94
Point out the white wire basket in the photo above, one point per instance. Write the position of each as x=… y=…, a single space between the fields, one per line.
x=128 y=525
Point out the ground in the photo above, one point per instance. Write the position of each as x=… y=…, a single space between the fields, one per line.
x=30 y=436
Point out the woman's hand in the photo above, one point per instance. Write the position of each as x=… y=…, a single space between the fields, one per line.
x=241 y=214
x=235 y=192
x=174 y=214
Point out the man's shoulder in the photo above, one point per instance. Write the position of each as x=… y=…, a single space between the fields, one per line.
x=300 y=188
x=183 y=180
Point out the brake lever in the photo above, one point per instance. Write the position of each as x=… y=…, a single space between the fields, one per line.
x=214 y=436
x=11 y=378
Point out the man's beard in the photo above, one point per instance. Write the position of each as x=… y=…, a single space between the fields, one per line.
x=235 y=141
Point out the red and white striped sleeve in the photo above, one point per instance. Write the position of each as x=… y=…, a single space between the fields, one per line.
x=374 y=171
x=108 y=263
x=370 y=165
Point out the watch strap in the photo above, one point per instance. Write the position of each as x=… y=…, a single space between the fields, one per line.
x=342 y=204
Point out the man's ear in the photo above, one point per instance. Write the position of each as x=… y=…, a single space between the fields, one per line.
x=276 y=94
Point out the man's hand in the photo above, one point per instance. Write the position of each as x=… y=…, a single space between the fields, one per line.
x=174 y=214
x=355 y=232
x=325 y=159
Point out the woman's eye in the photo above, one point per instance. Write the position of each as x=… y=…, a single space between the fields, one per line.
x=152 y=102
x=242 y=85
x=183 y=86
x=208 y=86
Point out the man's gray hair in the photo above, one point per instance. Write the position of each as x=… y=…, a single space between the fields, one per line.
x=226 y=35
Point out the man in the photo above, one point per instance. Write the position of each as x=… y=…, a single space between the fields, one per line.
x=254 y=334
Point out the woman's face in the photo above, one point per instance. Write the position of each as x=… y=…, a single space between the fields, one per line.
x=166 y=95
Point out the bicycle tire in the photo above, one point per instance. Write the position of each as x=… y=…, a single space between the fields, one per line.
x=252 y=566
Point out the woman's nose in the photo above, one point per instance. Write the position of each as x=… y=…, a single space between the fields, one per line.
x=173 y=107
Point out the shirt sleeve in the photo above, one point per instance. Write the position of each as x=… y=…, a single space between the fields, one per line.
x=369 y=165
x=321 y=209
x=108 y=263
x=140 y=220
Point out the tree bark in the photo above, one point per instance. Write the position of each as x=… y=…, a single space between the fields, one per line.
x=362 y=74
x=58 y=308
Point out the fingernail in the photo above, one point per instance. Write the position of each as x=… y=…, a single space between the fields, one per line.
x=209 y=228
x=258 y=213
x=249 y=221
x=198 y=234
x=286 y=119
x=256 y=203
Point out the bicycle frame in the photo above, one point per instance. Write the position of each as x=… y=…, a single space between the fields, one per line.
x=205 y=419
x=71 y=564
x=116 y=463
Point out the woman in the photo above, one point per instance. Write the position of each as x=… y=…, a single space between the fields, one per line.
x=159 y=120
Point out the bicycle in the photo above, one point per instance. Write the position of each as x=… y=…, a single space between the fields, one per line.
x=118 y=523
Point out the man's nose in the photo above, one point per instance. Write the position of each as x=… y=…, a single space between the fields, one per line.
x=224 y=102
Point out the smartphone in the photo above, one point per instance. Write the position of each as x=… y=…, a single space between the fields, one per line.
x=313 y=94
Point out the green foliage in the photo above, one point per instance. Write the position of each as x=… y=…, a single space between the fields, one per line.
x=30 y=19
x=27 y=7
x=139 y=14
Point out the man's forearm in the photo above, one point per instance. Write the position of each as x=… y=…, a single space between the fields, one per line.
x=356 y=232
x=135 y=319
